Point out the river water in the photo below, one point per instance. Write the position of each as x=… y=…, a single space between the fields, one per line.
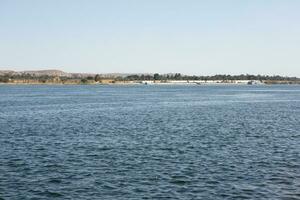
x=149 y=142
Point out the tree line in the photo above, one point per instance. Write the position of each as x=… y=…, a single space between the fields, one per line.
x=146 y=77
x=178 y=76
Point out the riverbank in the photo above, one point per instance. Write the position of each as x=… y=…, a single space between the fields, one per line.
x=60 y=77
x=175 y=82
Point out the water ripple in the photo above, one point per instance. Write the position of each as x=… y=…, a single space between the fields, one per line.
x=156 y=142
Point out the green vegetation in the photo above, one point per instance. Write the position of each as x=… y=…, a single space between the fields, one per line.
x=84 y=81
x=178 y=76
x=77 y=79
x=98 y=78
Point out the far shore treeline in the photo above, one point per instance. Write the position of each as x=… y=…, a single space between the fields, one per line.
x=44 y=76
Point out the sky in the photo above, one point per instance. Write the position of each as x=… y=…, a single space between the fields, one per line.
x=194 y=37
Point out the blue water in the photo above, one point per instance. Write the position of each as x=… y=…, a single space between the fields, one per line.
x=149 y=142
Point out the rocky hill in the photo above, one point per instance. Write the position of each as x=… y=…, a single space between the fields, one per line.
x=39 y=73
x=59 y=73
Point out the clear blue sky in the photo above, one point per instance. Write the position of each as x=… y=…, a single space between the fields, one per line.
x=138 y=36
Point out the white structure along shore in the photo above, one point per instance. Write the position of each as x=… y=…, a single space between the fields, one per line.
x=203 y=82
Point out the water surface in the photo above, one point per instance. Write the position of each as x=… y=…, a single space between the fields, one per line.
x=149 y=142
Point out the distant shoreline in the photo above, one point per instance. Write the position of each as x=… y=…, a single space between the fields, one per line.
x=57 y=77
x=156 y=83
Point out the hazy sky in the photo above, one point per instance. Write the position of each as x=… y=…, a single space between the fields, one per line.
x=187 y=36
